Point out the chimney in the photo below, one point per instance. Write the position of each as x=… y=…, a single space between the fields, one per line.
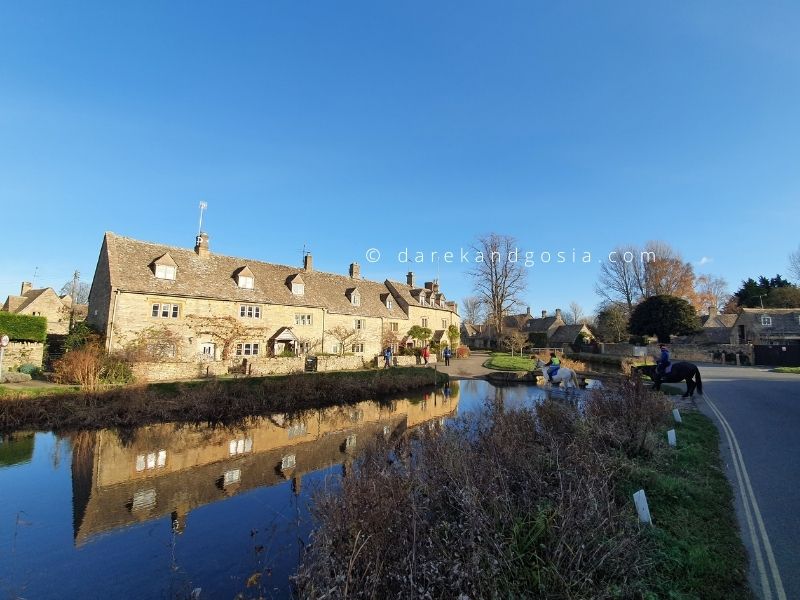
x=528 y=310
x=712 y=312
x=410 y=278
x=26 y=287
x=355 y=271
x=558 y=313
x=436 y=286
x=308 y=263
x=201 y=245
x=429 y=285
x=544 y=314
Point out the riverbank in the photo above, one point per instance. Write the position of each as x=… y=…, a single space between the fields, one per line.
x=541 y=499
x=217 y=400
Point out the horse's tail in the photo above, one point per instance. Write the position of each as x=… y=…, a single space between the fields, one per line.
x=575 y=380
x=698 y=381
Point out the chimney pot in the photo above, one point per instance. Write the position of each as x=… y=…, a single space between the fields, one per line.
x=712 y=311
x=410 y=278
x=544 y=314
x=355 y=270
x=558 y=313
x=201 y=245
x=429 y=285
x=26 y=287
x=308 y=262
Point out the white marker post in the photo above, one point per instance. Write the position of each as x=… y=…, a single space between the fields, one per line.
x=3 y=343
x=641 y=507
x=671 y=438
x=676 y=414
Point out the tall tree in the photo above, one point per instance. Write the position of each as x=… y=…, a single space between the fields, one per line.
x=499 y=276
x=473 y=308
x=611 y=323
x=668 y=274
x=794 y=265
x=575 y=314
x=783 y=297
x=621 y=280
x=753 y=293
x=710 y=291
x=79 y=290
x=664 y=316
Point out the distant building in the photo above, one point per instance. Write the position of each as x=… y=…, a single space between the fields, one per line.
x=766 y=326
x=44 y=302
x=543 y=331
x=219 y=307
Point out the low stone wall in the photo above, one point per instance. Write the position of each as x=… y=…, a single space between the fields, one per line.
x=735 y=353
x=617 y=349
x=23 y=353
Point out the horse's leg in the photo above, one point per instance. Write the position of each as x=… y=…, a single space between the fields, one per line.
x=689 y=387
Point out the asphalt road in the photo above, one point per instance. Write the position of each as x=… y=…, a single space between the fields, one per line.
x=758 y=414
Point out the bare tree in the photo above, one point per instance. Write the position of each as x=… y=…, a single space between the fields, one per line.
x=514 y=340
x=711 y=291
x=498 y=275
x=226 y=330
x=622 y=279
x=575 y=314
x=343 y=335
x=474 y=309
x=794 y=265
x=78 y=290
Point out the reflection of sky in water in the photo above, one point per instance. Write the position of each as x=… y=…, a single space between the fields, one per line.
x=172 y=509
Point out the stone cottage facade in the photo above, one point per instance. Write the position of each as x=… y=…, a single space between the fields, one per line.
x=190 y=305
x=44 y=302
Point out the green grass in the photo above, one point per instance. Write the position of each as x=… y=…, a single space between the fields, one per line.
x=795 y=370
x=37 y=391
x=694 y=544
x=502 y=361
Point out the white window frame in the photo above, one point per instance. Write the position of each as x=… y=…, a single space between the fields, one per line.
x=168 y=272
x=766 y=321
x=297 y=430
x=389 y=303
x=240 y=446
x=298 y=289
x=288 y=462
x=394 y=327
x=303 y=319
x=355 y=298
x=359 y=324
x=248 y=349
x=444 y=323
x=250 y=311
x=425 y=322
x=358 y=348
x=246 y=282
x=165 y=310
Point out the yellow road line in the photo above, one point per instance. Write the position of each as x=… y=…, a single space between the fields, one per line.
x=744 y=482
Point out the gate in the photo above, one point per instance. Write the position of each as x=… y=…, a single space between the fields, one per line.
x=787 y=355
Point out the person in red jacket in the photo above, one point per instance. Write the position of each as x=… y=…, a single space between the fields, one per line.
x=426 y=354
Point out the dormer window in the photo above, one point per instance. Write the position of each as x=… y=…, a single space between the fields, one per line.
x=355 y=297
x=389 y=303
x=297 y=285
x=164 y=267
x=766 y=321
x=245 y=278
x=423 y=298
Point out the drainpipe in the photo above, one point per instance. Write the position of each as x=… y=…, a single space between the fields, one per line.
x=111 y=323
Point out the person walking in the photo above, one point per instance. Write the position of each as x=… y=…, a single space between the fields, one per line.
x=447 y=354
x=387 y=357
x=425 y=354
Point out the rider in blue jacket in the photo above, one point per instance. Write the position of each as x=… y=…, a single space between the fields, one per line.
x=663 y=361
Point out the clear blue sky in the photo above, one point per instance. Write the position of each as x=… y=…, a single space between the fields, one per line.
x=419 y=125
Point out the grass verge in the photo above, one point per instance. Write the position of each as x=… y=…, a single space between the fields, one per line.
x=224 y=400
x=502 y=361
x=694 y=548
x=795 y=370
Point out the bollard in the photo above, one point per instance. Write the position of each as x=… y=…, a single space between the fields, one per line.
x=671 y=438
x=640 y=500
x=676 y=414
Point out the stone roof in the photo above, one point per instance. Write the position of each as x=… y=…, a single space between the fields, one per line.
x=214 y=277
x=406 y=293
x=16 y=304
x=566 y=334
x=725 y=321
x=542 y=324
x=785 y=320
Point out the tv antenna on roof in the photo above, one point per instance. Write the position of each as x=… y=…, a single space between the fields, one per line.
x=203 y=206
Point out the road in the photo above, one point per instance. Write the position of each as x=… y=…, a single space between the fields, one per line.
x=758 y=415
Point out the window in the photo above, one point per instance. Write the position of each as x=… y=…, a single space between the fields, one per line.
x=389 y=303
x=150 y=461
x=296 y=430
x=393 y=327
x=298 y=289
x=360 y=323
x=424 y=321
x=288 y=461
x=422 y=299
x=358 y=348
x=231 y=477
x=350 y=442
x=248 y=349
x=336 y=349
x=240 y=446
x=766 y=321
x=250 y=311
x=165 y=271
x=208 y=350
x=444 y=323
x=302 y=319
x=355 y=298
x=356 y=415
x=246 y=282
x=143 y=499
x=166 y=311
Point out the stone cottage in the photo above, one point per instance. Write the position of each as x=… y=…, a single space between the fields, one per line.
x=44 y=302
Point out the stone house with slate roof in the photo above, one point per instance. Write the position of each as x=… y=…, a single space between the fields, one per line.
x=140 y=288
x=44 y=302
x=541 y=332
x=766 y=326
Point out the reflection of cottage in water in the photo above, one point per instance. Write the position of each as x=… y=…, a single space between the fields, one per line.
x=171 y=469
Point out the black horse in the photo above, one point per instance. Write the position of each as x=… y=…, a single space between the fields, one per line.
x=681 y=371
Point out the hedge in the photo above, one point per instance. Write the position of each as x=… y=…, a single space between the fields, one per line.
x=23 y=327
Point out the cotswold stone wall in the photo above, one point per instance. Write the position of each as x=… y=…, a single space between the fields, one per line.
x=23 y=353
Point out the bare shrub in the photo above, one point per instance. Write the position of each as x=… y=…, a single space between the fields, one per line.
x=81 y=366
x=503 y=506
x=625 y=413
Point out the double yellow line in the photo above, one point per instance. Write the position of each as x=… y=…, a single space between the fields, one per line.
x=755 y=524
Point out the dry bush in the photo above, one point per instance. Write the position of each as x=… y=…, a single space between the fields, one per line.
x=505 y=505
x=462 y=352
x=625 y=413
x=82 y=366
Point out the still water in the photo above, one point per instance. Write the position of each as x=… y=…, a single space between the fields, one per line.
x=167 y=510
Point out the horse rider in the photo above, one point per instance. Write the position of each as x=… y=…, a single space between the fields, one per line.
x=553 y=365
x=663 y=361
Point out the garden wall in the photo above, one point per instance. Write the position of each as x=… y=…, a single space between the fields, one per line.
x=21 y=353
